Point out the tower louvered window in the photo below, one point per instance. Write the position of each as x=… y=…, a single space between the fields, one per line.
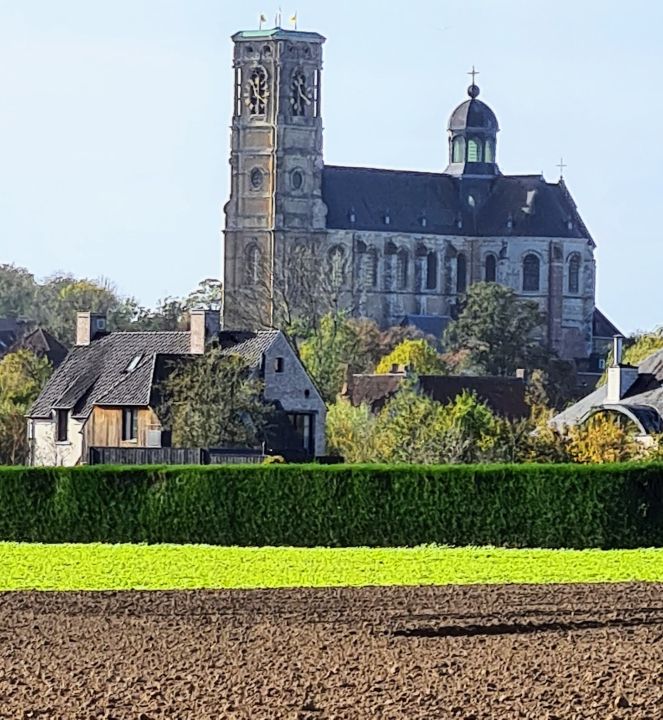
x=337 y=266
x=474 y=150
x=252 y=265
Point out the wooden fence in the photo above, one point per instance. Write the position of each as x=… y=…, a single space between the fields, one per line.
x=173 y=456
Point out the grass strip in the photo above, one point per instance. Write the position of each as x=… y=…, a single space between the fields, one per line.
x=179 y=567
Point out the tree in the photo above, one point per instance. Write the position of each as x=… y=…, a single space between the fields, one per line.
x=637 y=348
x=418 y=355
x=351 y=432
x=495 y=332
x=212 y=401
x=207 y=295
x=301 y=288
x=469 y=430
x=604 y=438
x=62 y=296
x=22 y=376
x=330 y=352
x=416 y=429
x=409 y=427
x=374 y=343
x=17 y=291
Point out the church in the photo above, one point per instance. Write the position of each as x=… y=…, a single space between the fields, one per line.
x=400 y=247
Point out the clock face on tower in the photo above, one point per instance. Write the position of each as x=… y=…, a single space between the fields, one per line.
x=300 y=96
x=256 y=92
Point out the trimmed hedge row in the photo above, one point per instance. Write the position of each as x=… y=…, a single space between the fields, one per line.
x=607 y=506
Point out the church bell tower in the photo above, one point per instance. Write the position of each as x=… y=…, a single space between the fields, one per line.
x=275 y=167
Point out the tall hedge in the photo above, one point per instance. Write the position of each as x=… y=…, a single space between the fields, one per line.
x=606 y=506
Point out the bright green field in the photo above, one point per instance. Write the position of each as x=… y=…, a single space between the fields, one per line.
x=120 y=567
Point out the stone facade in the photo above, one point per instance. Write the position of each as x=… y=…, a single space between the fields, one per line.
x=388 y=245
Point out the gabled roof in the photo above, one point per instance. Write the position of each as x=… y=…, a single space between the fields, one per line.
x=504 y=396
x=536 y=208
x=42 y=344
x=249 y=345
x=643 y=402
x=602 y=327
x=118 y=369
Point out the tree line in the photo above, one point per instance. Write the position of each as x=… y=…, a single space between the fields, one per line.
x=495 y=333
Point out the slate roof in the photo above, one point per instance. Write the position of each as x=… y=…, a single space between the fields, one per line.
x=8 y=333
x=98 y=374
x=42 y=344
x=434 y=325
x=250 y=345
x=504 y=396
x=536 y=208
x=602 y=327
x=473 y=114
x=643 y=401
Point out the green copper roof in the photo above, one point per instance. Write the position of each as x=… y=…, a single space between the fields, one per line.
x=278 y=33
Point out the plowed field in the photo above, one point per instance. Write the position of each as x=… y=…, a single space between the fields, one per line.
x=540 y=652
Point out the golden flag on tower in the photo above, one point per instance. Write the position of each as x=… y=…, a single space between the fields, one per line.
x=293 y=20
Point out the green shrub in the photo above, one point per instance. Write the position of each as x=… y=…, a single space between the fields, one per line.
x=608 y=506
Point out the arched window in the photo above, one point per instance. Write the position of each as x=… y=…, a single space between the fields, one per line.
x=574 y=273
x=431 y=271
x=531 y=272
x=252 y=265
x=402 y=268
x=489 y=151
x=458 y=150
x=371 y=264
x=461 y=273
x=490 y=271
x=257 y=92
x=337 y=266
x=474 y=150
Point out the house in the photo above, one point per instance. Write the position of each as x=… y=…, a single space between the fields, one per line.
x=505 y=396
x=632 y=393
x=103 y=394
x=14 y=336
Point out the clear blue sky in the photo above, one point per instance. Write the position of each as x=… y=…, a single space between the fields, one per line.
x=114 y=122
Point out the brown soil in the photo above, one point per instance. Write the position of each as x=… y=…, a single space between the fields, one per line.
x=452 y=652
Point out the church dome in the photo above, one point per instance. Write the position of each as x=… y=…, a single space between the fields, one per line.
x=473 y=132
x=473 y=114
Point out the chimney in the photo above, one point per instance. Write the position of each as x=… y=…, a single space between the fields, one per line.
x=620 y=377
x=204 y=325
x=89 y=326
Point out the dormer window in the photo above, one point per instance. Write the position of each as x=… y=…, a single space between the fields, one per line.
x=423 y=220
x=387 y=218
x=509 y=223
x=569 y=224
x=352 y=216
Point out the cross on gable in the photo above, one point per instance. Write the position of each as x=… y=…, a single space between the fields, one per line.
x=562 y=166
